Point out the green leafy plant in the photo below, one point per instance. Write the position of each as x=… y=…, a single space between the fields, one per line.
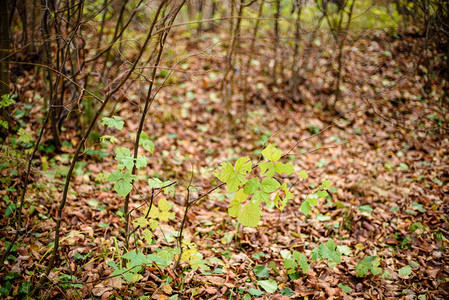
x=249 y=194
x=327 y=251
x=366 y=265
x=294 y=262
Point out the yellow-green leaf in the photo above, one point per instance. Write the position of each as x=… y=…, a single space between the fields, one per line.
x=271 y=153
x=250 y=215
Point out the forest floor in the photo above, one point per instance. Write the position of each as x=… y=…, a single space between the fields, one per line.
x=388 y=198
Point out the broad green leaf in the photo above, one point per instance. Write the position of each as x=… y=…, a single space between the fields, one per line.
x=165 y=207
x=141 y=161
x=115 y=176
x=110 y=138
x=115 y=122
x=141 y=221
x=365 y=208
x=362 y=268
x=251 y=186
x=170 y=190
x=302 y=261
x=240 y=196
x=234 y=208
x=280 y=203
x=6 y=100
x=312 y=199
x=267 y=169
x=405 y=271
x=234 y=181
x=136 y=258
x=322 y=194
x=148 y=236
x=250 y=215
x=288 y=194
x=124 y=158
x=146 y=144
x=296 y=255
x=287 y=292
x=226 y=171
x=255 y=292
x=270 y=285
x=326 y=184
x=303 y=174
x=243 y=165
x=274 y=268
x=154 y=212
x=155 y=183
x=271 y=153
x=261 y=271
x=269 y=185
x=24 y=136
x=345 y=250
x=305 y=207
x=290 y=263
x=284 y=168
x=123 y=188
x=345 y=288
x=260 y=196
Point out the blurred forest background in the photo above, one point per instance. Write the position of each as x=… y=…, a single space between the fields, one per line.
x=110 y=107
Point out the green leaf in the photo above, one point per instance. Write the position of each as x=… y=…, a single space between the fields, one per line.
x=136 y=258
x=115 y=122
x=7 y=100
x=24 y=136
x=271 y=153
x=405 y=271
x=255 y=292
x=302 y=261
x=146 y=143
x=345 y=288
x=287 y=292
x=290 y=263
x=267 y=169
x=284 y=168
x=303 y=174
x=243 y=165
x=322 y=194
x=312 y=199
x=165 y=207
x=155 y=183
x=328 y=251
x=141 y=161
x=123 y=188
x=326 y=184
x=366 y=208
x=124 y=158
x=250 y=215
x=345 y=250
x=251 y=186
x=235 y=180
x=260 y=196
x=274 y=268
x=305 y=207
x=269 y=185
x=270 y=285
x=141 y=221
x=110 y=138
x=234 y=208
x=261 y=271
x=362 y=268
x=226 y=171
